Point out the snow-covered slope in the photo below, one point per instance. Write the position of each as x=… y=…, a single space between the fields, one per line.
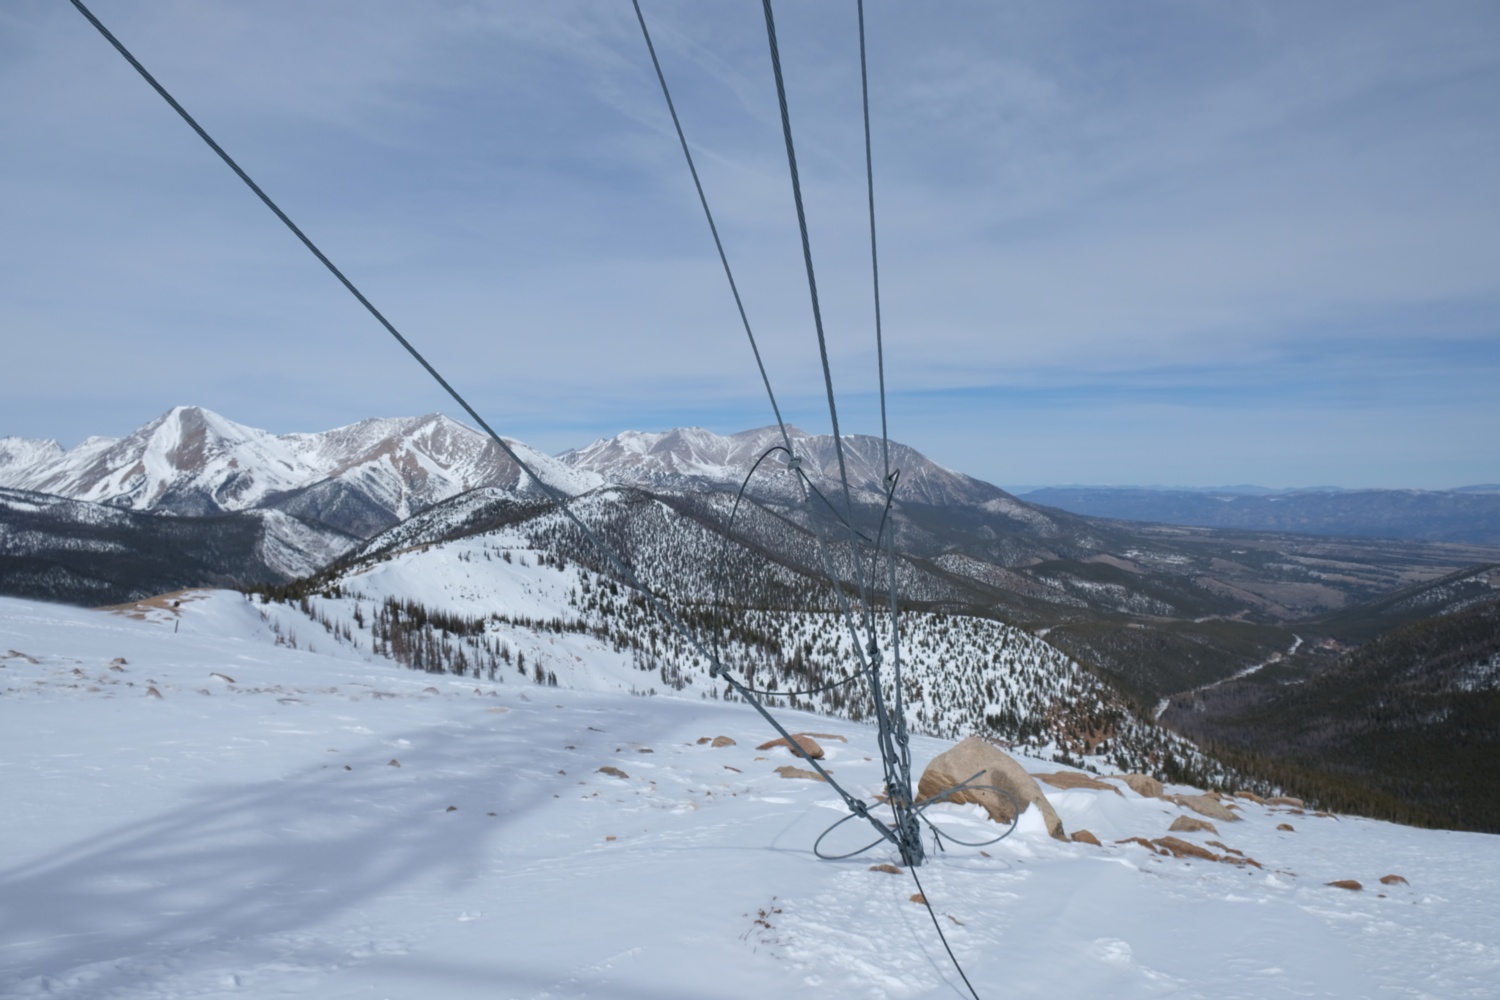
x=520 y=596
x=359 y=478
x=194 y=808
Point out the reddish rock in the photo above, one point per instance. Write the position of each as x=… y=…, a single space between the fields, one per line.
x=1393 y=880
x=1143 y=842
x=1179 y=848
x=1142 y=784
x=1085 y=837
x=607 y=769
x=800 y=744
x=993 y=766
x=1076 y=779
x=1346 y=883
x=1187 y=824
x=1206 y=805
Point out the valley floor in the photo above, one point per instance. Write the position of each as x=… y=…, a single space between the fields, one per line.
x=276 y=822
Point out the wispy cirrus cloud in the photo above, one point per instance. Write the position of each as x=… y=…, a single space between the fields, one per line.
x=1100 y=225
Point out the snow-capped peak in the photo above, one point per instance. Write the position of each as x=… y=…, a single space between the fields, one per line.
x=666 y=458
x=363 y=476
x=18 y=452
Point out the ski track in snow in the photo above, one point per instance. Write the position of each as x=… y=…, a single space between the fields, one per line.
x=251 y=838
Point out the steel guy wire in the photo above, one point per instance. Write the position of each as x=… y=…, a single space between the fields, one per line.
x=895 y=773
x=864 y=89
x=812 y=288
x=744 y=319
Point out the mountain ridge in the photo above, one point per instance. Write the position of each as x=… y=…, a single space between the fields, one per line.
x=192 y=461
x=651 y=460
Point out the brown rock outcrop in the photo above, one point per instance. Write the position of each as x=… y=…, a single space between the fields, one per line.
x=1076 y=779
x=1187 y=824
x=994 y=767
x=722 y=741
x=800 y=744
x=1180 y=848
x=1206 y=805
x=1346 y=883
x=1142 y=784
x=1393 y=880
x=788 y=771
x=1085 y=837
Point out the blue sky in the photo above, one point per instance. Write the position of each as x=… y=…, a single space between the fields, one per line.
x=1160 y=242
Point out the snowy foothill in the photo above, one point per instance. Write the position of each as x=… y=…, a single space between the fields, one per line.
x=195 y=809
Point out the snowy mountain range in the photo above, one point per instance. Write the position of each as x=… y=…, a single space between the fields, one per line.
x=361 y=479
x=694 y=456
x=368 y=476
x=1146 y=604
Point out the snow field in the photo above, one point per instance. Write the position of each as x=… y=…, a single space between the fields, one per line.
x=251 y=837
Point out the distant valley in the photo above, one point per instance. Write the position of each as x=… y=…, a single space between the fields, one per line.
x=1469 y=514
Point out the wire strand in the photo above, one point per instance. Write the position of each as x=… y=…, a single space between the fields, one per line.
x=712 y=226
x=812 y=280
x=941 y=936
x=553 y=493
x=864 y=90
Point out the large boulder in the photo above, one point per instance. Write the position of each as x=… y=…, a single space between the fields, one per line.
x=1142 y=784
x=1187 y=824
x=1206 y=805
x=995 y=767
